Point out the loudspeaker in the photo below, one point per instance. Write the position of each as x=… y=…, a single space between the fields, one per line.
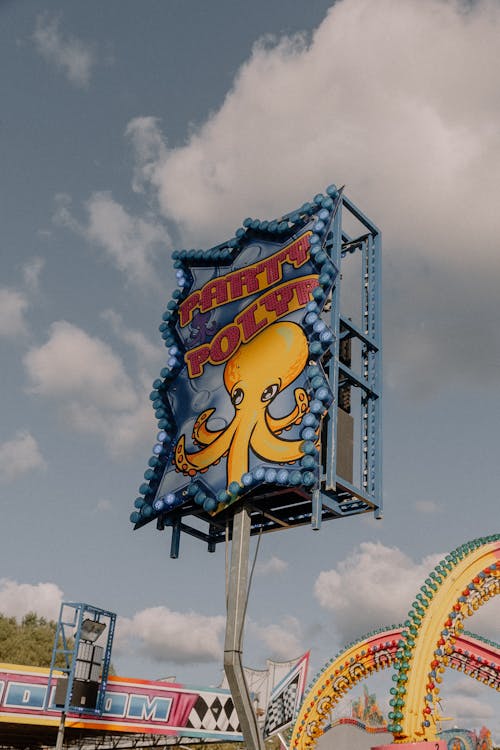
x=84 y=693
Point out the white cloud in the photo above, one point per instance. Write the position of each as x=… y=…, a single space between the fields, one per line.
x=469 y=710
x=463 y=703
x=149 y=148
x=13 y=305
x=18 y=599
x=19 y=456
x=283 y=641
x=485 y=620
x=103 y=506
x=31 y=273
x=91 y=386
x=71 y=55
x=164 y=635
x=62 y=215
x=120 y=432
x=390 y=98
x=73 y=362
x=372 y=587
x=144 y=349
x=272 y=566
x=158 y=633
x=428 y=507
x=390 y=121
x=129 y=242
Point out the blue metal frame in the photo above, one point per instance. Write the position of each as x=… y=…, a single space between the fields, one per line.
x=71 y=617
x=336 y=494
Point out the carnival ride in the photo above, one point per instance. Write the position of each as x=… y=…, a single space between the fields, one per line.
x=431 y=639
x=137 y=709
x=136 y=713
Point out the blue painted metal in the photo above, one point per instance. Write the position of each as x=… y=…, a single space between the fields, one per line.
x=328 y=483
x=176 y=538
x=365 y=494
x=67 y=640
x=274 y=506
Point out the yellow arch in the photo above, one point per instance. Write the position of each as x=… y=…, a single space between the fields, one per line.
x=457 y=587
x=442 y=594
x=355 y=663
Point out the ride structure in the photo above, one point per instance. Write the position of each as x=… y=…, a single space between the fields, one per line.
x=455 y=589
x=135 y=708
x=144 y=713
x=431 y=639
x=271 y=394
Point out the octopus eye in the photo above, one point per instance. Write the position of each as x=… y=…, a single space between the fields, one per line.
x=269 y=392
x=237 y=396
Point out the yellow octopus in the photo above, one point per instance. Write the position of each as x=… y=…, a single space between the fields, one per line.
x=253 y=377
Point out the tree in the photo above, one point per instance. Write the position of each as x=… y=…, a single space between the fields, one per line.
x=29 y=642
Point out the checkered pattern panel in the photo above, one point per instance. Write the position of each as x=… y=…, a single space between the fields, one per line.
x=214 y=713
x=281 y=709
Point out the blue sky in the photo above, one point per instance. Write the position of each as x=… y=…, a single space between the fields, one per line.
x=130 y=129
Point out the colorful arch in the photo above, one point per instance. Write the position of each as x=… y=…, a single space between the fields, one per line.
x=459 y=584
x=467 y=578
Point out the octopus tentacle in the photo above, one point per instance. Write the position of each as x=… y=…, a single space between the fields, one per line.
x=237 y=460
x=201 y=433
x=271 y=448
x=190 y=463
x=301 y=406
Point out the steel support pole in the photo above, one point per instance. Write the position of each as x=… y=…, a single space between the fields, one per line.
x=60 y=732
x=236 y=608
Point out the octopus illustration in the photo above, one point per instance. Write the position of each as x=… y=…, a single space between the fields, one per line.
x=253 y=377
x=201 y=329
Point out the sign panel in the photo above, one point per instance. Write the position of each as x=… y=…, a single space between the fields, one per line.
x=286 y=698
x=130 y=706
x=241 y=400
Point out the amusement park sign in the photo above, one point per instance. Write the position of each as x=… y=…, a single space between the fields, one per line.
x=130 y=706
x=246 y=404
x=241 y=402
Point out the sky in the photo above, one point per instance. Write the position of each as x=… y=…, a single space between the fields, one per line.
x=129 y=130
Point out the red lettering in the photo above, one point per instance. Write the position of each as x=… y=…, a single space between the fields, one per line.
x=249 y=325
x=213 y=294
x=282 y=300
x=187 y=307
x=304 y=287
x=298 y=251
x=196 y=359
x=287 y=297
x=278 y=300
x=272 y=266
x=246 y=279
x=224 y=344
x=235 y=285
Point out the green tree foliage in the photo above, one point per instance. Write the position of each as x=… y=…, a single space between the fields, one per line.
x=28 y=642
x=31 y=642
